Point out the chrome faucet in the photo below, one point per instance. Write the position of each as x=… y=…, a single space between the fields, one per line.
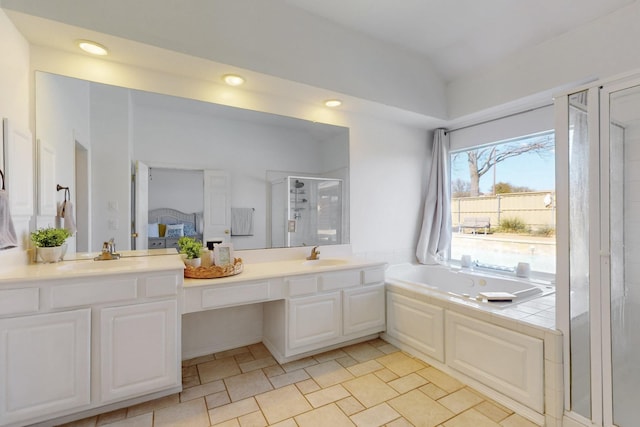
x=108 y=251
x=314 y=254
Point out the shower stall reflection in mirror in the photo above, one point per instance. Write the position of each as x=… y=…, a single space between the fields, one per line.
x=307 y=211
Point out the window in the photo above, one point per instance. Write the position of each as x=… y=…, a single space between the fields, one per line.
x=503 y=203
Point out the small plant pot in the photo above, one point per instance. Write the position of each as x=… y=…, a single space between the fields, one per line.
x=193 y=262
x=50 y=254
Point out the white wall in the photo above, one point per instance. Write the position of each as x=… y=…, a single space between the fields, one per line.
x=14 y=98
x=599 y=49
x=63 y=115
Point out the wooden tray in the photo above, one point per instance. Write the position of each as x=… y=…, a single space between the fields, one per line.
x=215 y=271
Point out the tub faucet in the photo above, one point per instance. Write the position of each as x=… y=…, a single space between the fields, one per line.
x=314 y=254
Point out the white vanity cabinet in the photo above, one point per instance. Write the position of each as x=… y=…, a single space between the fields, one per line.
x=45 y=364
x=138 y=349
x=75 y=344
x=325 y=310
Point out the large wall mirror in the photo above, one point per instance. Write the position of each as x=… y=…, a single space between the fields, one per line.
x=96 y=134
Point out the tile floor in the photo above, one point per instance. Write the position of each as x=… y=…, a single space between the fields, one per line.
x=367 y=384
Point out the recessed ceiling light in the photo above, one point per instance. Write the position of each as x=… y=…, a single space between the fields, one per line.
x=92 y=47
x=233 y=79
x=332 y=103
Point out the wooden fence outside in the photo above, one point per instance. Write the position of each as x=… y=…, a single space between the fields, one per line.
x=536 y=209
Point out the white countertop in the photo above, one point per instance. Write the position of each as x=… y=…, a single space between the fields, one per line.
x=83 y=265
x=273 y=269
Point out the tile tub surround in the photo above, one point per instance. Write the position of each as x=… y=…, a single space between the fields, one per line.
x=367 y=384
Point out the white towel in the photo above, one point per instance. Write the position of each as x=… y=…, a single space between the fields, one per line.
x=8 y=238
x=66 y=212
x=242 y=221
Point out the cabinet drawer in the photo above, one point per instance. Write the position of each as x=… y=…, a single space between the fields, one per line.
x=302 y=285
x=158 y=286
x=93 y=293
x=235 y=295
x=339 y=280
x=374 y=275
x=16 y=301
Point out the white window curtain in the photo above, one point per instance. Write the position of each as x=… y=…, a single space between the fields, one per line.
x=435 y=236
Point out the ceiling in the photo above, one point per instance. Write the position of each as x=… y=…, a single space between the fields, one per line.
x=396 y=53
x=460 y=36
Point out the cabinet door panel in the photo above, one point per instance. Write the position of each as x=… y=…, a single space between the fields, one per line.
x=363 y=310
x=44 y=364
x=416 y=323
x=139 y=349
x=314 y=319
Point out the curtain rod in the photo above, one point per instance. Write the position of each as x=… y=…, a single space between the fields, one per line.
x=499 y=118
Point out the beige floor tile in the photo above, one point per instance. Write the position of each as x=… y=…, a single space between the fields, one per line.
x=111 y=417
x=153 y=405
x=257 y=364
x=189 y=414
x=85 y=422
x=233 y=410
x=400 y=422
x=246 y=385
x=286 y=423
x=377 y=342
x=400 y=363
x=376 y=416
x=272 y=371
x=197 y=360
x=350 y=405
x=328 y=373
x=494 y=412
x=282 y=403
x=433 y=391
x=419 y=409
x=217 y=399
x=329 y=355
x=327 y=395
x=363 y=352
x=144 y=420
x=254 y=419
x=461 y=400
x=329 y=415
x=365 y=368
x=388 y=348
x=259 y=350
x=516 y=420
x=441 y=379
x=386 y=375
x=408 y=382
x=307 y=386
x=202 y=390
x=231 y=423
x=471 y=418
x=370 y=390
x=347 y=361
x=189 y=382
x=218 y=369
x=299 y=364
x=189 y=371
x=232 y=352
x=289 y=378
x=244 y=358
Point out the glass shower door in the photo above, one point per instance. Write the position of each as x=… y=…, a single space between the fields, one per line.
x=621 y=140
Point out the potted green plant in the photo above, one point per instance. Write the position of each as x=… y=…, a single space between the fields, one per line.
x=191 y=248
x=49 y=242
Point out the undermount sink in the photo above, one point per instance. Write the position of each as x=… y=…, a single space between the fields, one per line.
x=324 y=262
